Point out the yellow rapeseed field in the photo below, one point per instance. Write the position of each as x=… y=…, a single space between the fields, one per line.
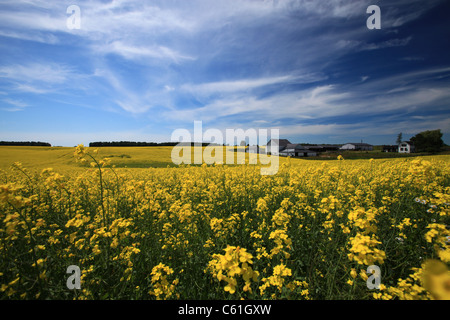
x=223 y=232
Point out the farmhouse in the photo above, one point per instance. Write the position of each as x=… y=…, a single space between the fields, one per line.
x=406 y=147
x=359 y=146
x=297 y=150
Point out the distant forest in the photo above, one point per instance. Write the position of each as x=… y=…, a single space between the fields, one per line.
x=140 y=144
x=25 y=143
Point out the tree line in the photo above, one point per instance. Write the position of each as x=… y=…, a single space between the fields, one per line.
x=141 y=144
x=129 y=144
x=25 y=143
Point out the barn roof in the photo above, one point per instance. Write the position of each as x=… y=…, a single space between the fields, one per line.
x=294 y=146
x=281 y=142
x=359 y=144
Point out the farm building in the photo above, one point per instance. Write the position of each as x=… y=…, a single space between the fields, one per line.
x=359 y=146
x=297 y=150
x=391 y=148
x=406 y=147
x=322 y=147
x=278 y=144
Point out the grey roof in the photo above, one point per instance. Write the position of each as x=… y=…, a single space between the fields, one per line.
x=359 y=144
x=281 y=142
x=301 y=150
x=294 y=146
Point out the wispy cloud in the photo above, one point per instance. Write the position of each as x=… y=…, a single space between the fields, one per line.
x=36 y=36
x=366 y=129
x=131 y=99
x=141 y=53
x=43 y=72
x=240 y=85
x=37 y=78
x=387 y=44
x=14 y=105
x=356 y=45
x=327 y=101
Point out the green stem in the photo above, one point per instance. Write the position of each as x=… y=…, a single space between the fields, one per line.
x=101 y=188
x=32 y=242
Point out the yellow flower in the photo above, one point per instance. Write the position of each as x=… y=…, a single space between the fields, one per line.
x=438 y=233
x=114 y=243
x=444 y=255
x=96 y=250
x=234 y=263
x=363 y=250
x=162 y=288
x=436 y=279
x=277 y=279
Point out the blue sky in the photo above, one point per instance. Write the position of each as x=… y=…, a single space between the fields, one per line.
x=138 y=70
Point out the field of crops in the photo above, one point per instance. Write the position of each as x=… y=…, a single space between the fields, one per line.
x=223 y=232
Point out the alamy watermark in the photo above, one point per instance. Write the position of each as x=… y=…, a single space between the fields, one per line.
x=374 y=21
x=374 y=281
x=74 y=21
x=74 y=281
x=213 y=153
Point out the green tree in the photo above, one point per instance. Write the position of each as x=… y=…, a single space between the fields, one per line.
x=428 y=141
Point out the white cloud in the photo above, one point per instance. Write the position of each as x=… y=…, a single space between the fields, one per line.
x=169 y=88
x=363 y=100
x=133 y=100
x=386 y=44
x=36 y=72
x=236 y=85
x=365 y=130
x=312 y=103
x=26 y=88
x=39 y=78
x=141 y=53
x=17 y=105
x=242 y=90
x=356 y=45
x=42 y=37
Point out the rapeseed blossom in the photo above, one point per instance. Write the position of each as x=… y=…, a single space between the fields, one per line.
x=363 y=250
x=234 y=263
x=144 y=233
x=162 y=288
